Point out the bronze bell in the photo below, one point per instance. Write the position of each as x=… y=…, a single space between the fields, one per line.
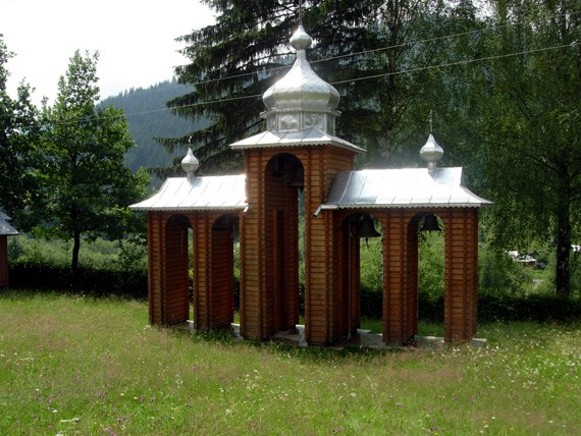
x=430 y=224
x=367 y=228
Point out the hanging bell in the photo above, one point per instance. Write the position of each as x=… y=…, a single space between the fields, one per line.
x=297 y=179
x=430 y=223
x=367 y=228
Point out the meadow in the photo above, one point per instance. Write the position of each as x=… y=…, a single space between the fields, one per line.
x=79 y=365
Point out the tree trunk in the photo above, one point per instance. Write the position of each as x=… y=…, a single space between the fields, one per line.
x=75 y=260
x=562 y=276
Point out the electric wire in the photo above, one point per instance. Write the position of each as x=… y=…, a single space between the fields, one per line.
x=340 y=82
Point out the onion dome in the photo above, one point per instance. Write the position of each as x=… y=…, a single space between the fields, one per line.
x=301 y=99
x=431 y=152
x=190 y=164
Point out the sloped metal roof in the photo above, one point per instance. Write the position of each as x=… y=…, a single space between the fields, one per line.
x=395 y=188
x=5 y=228
x=310 y=136
x=198 y=193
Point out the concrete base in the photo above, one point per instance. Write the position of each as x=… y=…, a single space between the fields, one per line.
x=364 y=339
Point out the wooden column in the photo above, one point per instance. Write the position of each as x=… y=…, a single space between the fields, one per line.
x=324 y=298
x=399 y=275
x=155 y=260
x=461 y=274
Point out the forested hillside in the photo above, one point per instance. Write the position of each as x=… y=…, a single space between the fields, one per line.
x=149 y=118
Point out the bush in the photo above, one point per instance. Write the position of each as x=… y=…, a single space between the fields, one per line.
x=499 y=274
x=89 y=281
x=106 y=267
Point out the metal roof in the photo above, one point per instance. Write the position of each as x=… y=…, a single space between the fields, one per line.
x=310 y=136
x=396 y=188
x=5 y=228
x=198 y=193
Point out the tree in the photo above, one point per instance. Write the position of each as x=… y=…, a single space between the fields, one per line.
x=531 y=125
x=86 y=188
x=18 y=133
x=234 y=61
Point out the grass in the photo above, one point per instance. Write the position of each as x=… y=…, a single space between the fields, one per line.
x=72 y=365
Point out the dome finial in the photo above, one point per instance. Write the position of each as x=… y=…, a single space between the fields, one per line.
x=431 y=152
x=301 y=40
x=190 y=164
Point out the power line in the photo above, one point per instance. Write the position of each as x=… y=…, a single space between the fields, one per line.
x=352 y=80
x=360 y=53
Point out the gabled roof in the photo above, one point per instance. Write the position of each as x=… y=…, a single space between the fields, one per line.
x=397 y=188
x=198 y=193
x=310 y=136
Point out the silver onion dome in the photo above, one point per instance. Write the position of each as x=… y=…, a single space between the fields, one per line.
x=190 y=164
x=431 y=152
x=301 y=99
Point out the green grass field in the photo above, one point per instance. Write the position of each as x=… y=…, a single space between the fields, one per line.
x=71 y=365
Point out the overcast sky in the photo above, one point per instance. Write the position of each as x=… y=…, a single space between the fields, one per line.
x=135 y=40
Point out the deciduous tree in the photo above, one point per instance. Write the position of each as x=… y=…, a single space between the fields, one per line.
x=86 y=187
x=531 y=122
x=18 y=133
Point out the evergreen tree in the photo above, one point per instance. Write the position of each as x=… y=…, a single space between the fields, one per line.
x=86 y=188
x=234 y=61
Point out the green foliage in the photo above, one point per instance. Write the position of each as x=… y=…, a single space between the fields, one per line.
x=431 y=265
x=18 y=134
x=499 y=274
x=85 y=186
x=530 y=126
x=105 y=267
x=371 y=271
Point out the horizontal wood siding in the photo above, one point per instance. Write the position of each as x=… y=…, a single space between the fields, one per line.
x=222 y=279
x=461 y=274
x=155 y=266
x=176 y=305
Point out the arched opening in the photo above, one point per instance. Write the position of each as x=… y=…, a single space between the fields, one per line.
x=360 y=275
x=430 y=273
x=175 y=298
x=224 y=235
x=284 y=181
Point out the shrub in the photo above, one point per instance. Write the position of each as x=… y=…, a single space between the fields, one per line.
x=499 y=274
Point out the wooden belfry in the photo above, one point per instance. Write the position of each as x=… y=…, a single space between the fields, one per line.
x=300 y=154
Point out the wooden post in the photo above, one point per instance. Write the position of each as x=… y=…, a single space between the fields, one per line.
x=461 y=274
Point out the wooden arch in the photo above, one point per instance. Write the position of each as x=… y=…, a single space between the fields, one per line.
x=212 y=259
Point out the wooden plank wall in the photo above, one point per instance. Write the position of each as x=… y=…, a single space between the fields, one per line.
x=400 y=294
x=461 y=274
x=397 y=295
x=4 y=277
x=323 y=296
x=261 y=250
x=175 y=295
x=212 y=269
x=155 y=260
x=222 y=289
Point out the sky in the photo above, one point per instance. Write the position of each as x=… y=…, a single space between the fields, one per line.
x=135 y=40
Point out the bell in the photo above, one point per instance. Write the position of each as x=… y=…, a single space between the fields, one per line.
x=430 y=224
x=297 y=179
x=367 y=228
